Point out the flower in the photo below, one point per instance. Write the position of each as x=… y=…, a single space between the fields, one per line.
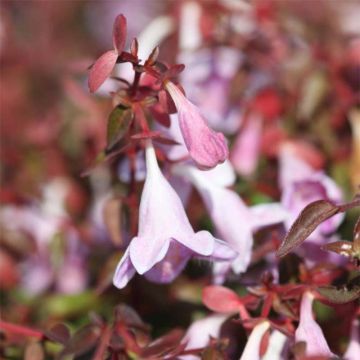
x=353 y=350
x=302 y=184
x=206 y=147
x=309 y=331
x=165 y=240
x=252 y=347
x=200 y=332
x=234 y=221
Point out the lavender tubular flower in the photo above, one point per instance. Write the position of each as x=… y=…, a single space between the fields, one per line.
x=166 y=240
x=309 y=331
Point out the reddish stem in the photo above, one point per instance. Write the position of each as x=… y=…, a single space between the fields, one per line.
x=18 y=329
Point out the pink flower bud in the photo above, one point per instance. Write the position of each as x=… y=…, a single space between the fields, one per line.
x=206 y=147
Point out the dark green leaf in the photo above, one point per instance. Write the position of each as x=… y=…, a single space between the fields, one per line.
x=118 y=124
x=308 y=220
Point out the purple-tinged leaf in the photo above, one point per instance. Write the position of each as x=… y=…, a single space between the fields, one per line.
x=339 y=296
x=101 y=70
x=58 y=333
x=310 y=217
x=82 y=341
x=119 y=33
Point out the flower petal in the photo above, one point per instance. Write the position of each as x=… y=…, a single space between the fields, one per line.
x=146 y=252
x=124 y=271
x=201 y=243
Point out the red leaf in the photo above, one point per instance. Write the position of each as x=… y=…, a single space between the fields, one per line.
x=160 y=116
x=310 y=217
x=220 y=299
x=101 y=70
x=119 y=33
x=166 y=102
x=175 y=70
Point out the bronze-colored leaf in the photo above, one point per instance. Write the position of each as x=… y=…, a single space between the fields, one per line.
x=308 y=220
x=341 y=247
x=339 y=296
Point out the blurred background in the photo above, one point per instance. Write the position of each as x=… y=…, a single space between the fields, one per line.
x=62 y=233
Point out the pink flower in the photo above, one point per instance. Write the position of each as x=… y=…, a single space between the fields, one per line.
x=206 y=147
x=309 y=331
x=166 y=240
x=252 y=347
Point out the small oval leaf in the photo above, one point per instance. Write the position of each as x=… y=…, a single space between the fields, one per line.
x=101 y=69
x=58 y=333
x=119 y=33
x=310 y=217
x=220 y=299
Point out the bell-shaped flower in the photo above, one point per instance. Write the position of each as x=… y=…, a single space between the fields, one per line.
x=234 y=221
x=206 y=147
x=302 y=184
x=353 y=350
x=200 y=332
x=252 y=347
x=277 y=347
x=309 y=331
x=165 y=239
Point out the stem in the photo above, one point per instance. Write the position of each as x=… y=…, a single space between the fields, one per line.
x=18 y=329
x=135 y=84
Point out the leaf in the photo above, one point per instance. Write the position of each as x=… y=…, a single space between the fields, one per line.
x=310 y=217
x=220 y=299
x=58 y=333
x=118 y=124
x=340 y=247
x=152 y=57
x=34 y=351
x=101 y=69
x=126 y=315
x=164 y=344
x=119 y=33
x=82 y=341
x=134 y=47
x=339 y=296
x=175 y=70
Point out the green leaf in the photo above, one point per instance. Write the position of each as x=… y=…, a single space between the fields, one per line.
x=339 y=296
x=118 y=124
